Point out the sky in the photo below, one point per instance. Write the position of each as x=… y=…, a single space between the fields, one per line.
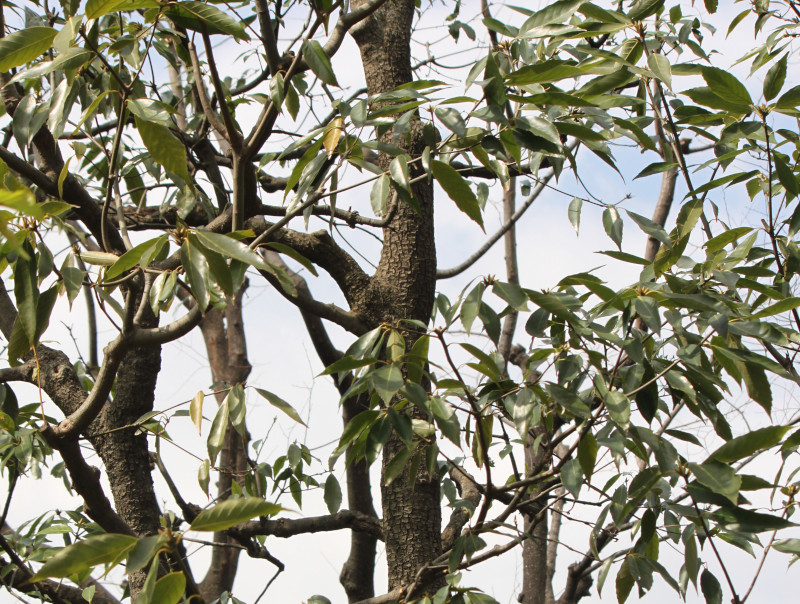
x=285 y=363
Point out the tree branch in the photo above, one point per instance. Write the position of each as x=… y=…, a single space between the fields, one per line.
x=284 y=527
x=320 y=248
x=457 y=270
x=86 y=482
x=268 y=37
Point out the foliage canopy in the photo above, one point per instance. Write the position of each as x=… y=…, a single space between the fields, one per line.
x=135 y=169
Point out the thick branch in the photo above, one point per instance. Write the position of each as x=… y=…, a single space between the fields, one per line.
x=285 y=528
x=460 y=515
x=86 y=482
x=320 y=248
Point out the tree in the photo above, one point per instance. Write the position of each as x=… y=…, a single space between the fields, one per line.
x=124 y=137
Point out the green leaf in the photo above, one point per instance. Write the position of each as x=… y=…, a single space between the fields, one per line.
x=227 y=246
x=85 y=554
x=612 y=223
x=653 y=229
x=569 y=400
x=748 y=521
x=387 y=380
x=786 y=177
x=725 y=85
x=543 y=71
x=196 y=410
x=231 y=512
x=587 y=454
x=144 y=550
x=24 y=46
x=660 y=66
x=644 y=8
x=691 y=561
x=396 y=466
x=195 y=266
x=98 y=8
x=656 y=168
x=787 y=546
x=446 y=419
x=451 y=117
x=380 y=194
x=333 y=494
x=164 y=148
x=619 y=408
x=472 y=306
x=574 y=213
x=729 y=236
x=214 y=20
x=348 y=363
x=355 y=426
x=279 y=403
x=552 y=13
x=572 y=477
x=747 y=444
x=169 y=588
x=237 y=410
x=707 y=97
x=216 y=436
x=647 y=309
x=789 y=101
x=718 y=477
x=776 y=76
x=319 y=62
x=26 y=292
x=203 y=475
x=132 y=257
x=458 y=190
x=512 y=294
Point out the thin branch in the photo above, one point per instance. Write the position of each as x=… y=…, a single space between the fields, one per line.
x=234 y=137
x=211 y=115
x=457 y=270
x=268 y=37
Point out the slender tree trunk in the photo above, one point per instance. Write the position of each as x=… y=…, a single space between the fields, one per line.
x=223 y=332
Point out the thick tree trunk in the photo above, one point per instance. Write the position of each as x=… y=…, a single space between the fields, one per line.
x=125 y=454
x=403 y=288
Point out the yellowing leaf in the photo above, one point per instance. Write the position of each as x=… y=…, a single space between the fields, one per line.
x=196 y=410
x=332 y=134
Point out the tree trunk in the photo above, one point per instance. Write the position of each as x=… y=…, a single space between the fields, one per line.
x=403 y=288
x=223 y=333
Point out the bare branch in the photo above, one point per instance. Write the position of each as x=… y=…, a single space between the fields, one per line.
x=268 y=37
x=284 y=527
x=200 y=89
